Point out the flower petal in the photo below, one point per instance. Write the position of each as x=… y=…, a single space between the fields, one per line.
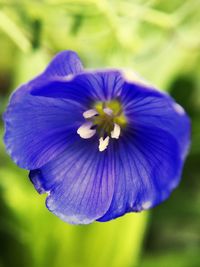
x=79 y=182
x=62 y=66
x=146 y=106
x=85 y=88
x=37 y=129
x=147 y=169
x=150 y=154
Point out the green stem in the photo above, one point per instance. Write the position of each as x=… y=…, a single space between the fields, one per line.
x=14 y=32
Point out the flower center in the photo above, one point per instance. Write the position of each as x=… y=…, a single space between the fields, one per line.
x=106 y=119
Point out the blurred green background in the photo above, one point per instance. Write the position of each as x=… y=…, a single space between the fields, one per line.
x=161 y=41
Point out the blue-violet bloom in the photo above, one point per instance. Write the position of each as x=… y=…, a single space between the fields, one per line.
x=100 y=143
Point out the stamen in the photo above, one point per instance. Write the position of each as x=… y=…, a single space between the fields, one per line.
x=105 y=119
x=116 y=131
x=89 y=113
x=103 y=143
x=108 y=111
x=85 y=130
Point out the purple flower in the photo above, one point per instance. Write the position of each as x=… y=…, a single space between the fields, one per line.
x=99 y=144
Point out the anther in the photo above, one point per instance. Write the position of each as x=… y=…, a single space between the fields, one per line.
x=108 y=111
x=89 y=113
x=85 y=130
x=116 y=131
x=103 y=143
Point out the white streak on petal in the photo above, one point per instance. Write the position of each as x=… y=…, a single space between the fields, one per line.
x=103 y=143
x=146 y=205
x=89 y=113
x=179 y=109
x=108 y=111
x=133 y=77
x=69 y=77
x=85 y=130
x=116 y=131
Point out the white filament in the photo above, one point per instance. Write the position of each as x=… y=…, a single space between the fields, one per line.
x=85 y=130
x=103 y=143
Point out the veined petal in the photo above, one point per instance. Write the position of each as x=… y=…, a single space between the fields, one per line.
x=63 y=64
x=37 y=129
x=85 y=88
x=150 y=155
x=62 y=67
x=79 y=182
x=147 y=168
x=145 y=106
